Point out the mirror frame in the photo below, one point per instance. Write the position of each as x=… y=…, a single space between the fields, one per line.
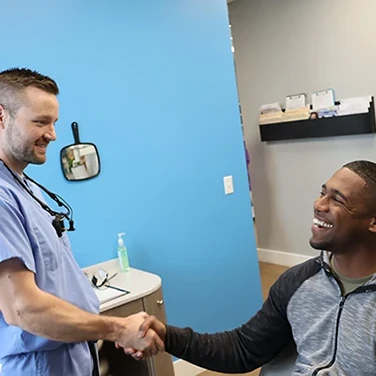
x=81 y=143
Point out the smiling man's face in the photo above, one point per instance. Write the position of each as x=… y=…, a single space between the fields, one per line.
x=25 y=137
x=342 y=214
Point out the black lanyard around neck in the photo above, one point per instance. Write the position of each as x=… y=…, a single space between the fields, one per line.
x=59 y=216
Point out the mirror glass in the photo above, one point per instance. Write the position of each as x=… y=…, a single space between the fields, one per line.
x=80 y=161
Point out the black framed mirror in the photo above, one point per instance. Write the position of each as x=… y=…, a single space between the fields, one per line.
x=79 y=161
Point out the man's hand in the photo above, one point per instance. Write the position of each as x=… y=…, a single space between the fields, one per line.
x=25 y=305
x=150 y=325
x=140 y=336
x=151 y=322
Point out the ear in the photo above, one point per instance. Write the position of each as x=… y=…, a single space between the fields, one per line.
x=372 y=225
x=2 y=116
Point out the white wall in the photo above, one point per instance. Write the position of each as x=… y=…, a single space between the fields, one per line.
x=291 y=46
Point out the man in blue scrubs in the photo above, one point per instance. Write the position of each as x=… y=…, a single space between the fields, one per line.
x=48 y=310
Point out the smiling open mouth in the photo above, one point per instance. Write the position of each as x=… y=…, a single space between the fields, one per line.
x=321 y=224
x=41 y=147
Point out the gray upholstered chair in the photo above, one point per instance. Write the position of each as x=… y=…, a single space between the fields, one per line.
x=283 y=364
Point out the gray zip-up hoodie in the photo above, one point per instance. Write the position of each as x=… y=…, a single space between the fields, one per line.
x=334 y=334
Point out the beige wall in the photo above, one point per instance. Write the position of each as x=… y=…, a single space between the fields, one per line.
x=290 y=46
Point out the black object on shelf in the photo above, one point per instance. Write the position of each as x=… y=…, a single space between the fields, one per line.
x=324 y=127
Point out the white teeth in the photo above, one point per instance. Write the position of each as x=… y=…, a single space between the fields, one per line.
x=317 y=222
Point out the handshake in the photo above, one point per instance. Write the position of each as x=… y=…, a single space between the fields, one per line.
x=141 y=335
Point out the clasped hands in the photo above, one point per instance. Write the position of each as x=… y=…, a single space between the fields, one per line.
x=143 y=336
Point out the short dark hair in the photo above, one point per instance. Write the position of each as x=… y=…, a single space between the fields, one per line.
x=367 y=171
x=15 y=80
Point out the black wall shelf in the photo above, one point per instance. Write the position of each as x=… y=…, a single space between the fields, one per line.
x=324 y=127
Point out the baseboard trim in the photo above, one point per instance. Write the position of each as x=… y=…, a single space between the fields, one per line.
x=183 y=368
x=281 y=258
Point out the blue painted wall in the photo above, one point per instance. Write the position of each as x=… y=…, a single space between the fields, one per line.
x=152 y=84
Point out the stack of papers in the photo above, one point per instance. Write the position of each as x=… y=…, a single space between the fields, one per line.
x=270 y=113
x=352 y=106
x=270 y=118
x=322 y=103
x=296 y=114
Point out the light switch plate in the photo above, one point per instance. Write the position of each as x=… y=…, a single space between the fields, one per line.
x=228 y=184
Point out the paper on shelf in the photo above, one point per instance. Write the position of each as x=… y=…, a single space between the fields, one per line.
x=358 y=105
x=295 y=101
x=323 y=99
x=271 y=107
x=328 y=113
x=296 y=114
x=270 y=118
x=270 y=113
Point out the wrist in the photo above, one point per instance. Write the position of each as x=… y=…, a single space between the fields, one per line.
x=114 y=328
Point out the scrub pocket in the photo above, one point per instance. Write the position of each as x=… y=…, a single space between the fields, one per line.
x=50 y=246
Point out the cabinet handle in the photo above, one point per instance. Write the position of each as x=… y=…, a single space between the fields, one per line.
x=160 y=302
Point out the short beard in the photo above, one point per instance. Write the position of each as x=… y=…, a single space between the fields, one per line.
x=17 y=146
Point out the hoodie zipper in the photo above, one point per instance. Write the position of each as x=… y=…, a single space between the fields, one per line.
x=362 y=289
x=341 y=304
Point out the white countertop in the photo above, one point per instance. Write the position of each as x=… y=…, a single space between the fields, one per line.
x=138 y=282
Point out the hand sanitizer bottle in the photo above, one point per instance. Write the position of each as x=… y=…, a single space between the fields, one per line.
x=122 y=253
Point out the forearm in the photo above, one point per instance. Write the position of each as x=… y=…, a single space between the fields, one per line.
x=58 y=320
x=221 y=352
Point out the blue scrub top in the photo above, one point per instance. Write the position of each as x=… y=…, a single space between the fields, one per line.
x=26 y=232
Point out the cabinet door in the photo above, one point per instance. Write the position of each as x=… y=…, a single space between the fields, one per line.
x=154 y=305
x=114 y=360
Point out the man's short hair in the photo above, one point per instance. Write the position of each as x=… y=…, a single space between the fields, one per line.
x=367 y=171
x=15 y=80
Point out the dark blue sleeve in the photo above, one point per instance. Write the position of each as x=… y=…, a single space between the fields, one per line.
x=253 y=344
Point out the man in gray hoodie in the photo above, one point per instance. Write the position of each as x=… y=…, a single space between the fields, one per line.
x=325 y=306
